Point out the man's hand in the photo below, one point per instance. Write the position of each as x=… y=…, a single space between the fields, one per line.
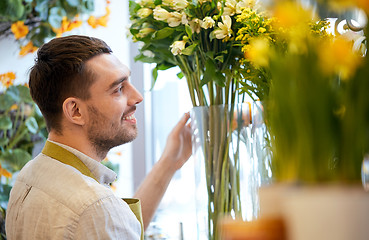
x=178 y=147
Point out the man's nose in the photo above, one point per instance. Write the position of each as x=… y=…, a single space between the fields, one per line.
x=135 y=96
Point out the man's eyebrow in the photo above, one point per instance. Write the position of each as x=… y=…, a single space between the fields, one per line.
x=117 y=82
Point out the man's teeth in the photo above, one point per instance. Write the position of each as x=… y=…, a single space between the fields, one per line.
x=129 y=117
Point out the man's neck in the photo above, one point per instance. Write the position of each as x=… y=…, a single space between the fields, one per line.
x=76 y=141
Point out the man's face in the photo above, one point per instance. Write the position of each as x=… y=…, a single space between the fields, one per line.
x=111 y=107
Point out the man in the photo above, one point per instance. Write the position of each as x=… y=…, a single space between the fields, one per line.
x=88 y=102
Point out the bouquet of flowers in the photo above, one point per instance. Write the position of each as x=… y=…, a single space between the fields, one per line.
x=207 y=39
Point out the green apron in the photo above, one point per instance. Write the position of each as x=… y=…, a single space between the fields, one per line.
x=61 y=154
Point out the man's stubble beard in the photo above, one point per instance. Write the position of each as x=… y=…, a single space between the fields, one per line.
x=104 y=136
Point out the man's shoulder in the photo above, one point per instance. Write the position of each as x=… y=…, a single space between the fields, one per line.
x=61 y=182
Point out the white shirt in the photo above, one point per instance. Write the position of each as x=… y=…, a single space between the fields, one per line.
x=52 y=200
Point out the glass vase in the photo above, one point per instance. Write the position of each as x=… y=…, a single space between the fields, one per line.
x=230 y=164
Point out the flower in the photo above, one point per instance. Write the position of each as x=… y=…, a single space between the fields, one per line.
x=145 y=32
x=207 y=22
x=147 y=3
x=161 y=14
x=225 y=30
x=7 y=79
x=100 y=21
x=144 y=12
x=28 y=48
x=67 y=25
x=175 y=19
x=4 y=172
x=258 y=52
x=19 y=29
x=176 y=4
x=337 y=57
x=177 y=47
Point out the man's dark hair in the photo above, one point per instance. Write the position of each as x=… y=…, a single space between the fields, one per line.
x=60 y=72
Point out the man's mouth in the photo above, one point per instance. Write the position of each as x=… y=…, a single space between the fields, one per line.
x=129 y=117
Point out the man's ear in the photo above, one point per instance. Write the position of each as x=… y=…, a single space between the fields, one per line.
x=72 y=111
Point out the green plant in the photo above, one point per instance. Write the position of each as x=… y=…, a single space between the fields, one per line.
x=32 y=22
x=21 y=126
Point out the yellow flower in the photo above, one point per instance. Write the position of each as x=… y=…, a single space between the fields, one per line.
x=94 y=22
x=29 y=48
x=177 y=47
x=7 y=79
x=5 y=173
x=290 y=15
x=261 y=30
x=337 y=57
x=19 y=29
x=14 y=107
x=67 y=25
x=224 y=28
x=258 y=52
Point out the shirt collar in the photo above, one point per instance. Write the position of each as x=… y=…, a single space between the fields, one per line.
x=102 y=174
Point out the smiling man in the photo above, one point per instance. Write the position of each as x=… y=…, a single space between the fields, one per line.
x=88 y=102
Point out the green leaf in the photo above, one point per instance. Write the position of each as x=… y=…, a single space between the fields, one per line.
x=189 y=50
x=14 y=9
x=5 y=123
x=154 y=76
x=211 y=72
x=42 y=8
x=6 y=102
x=4 y=141
x=32 y=125
x=88 y=6
x=220 y=58
x=145 y=59
x=15 y=159
x=56 y=16
x=188 y=30
x=133 y=7
x=180 y=75
x=163 y=33
x=24 y=94
x=13 y=92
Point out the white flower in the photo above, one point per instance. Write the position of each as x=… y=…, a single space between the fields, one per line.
x=144 y=12
x=144 y=32
x=161 y=14
x=175 y=19
x=176 y=4
x=195 y=25
x=224 y=28
x=148 y=53
x=147 y=3
x=177 y=47
x=245 y=4
x=230 y=7
x=207 y=22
